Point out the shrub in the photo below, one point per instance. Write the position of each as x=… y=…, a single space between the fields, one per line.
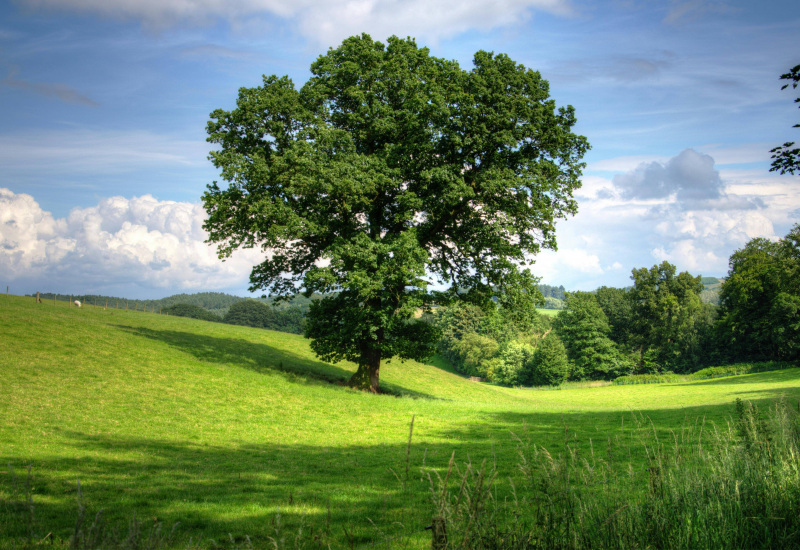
x=475 y=351
x=515 y=364
x=666 y=377
x=550 y=366
x=192 y=311
x=249 y=313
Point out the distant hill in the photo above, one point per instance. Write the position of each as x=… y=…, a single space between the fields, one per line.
x=711 y=289
x=289 y=314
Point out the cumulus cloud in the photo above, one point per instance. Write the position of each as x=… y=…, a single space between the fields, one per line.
x=702 y=241
x=140 y=242
x=680 y=209
x=690 y=178
x=327 y=21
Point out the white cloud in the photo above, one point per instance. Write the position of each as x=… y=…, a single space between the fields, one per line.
x=623 y=164
x=703 y=241
x=568 y=265
x=680 y=209
x=141 y=243
x=327 y=22
x=690 y=258
x=689 y=180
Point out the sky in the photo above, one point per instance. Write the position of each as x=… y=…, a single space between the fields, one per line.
x=104 y=105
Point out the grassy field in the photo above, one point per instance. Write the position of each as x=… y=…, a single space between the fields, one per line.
x=233 y=431
x=548 y=312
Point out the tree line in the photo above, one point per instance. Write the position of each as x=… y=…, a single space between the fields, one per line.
x=250 y=313
x=266 y=312
x=661 y=323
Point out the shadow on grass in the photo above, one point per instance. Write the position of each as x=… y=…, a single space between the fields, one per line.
x=348 y=495
x=259 y=357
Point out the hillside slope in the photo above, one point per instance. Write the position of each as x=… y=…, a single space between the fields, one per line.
x=222 y=427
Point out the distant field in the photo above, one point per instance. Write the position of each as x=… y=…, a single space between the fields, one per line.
x=548 y=312
x=225 y=428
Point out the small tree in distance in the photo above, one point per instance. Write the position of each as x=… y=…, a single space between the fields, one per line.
x=550 y=366
x=583 y=329
x=389 y=167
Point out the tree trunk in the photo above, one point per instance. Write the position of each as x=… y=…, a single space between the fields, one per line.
x=367 y=376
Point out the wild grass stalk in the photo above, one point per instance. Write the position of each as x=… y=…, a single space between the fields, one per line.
x=736 y=486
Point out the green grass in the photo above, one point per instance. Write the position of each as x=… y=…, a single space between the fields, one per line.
x=232 y=430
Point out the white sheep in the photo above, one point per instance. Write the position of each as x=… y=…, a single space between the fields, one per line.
x=78 y=303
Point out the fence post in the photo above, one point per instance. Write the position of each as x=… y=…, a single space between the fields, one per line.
x=439 y=541
x=38 y=300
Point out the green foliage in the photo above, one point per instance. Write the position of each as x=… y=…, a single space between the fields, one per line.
x=617 y=305
x=387 y=166
x=215 y=302
x=475 y=352
x=550 y=366
x=454 y=323
x=192 y=311
x=476 y=341
x=249 y=313
x=739 y=368
x=553 y=303
x=760 y=300
x=253 y=313
x=704 y=374
x=671 y=322
x=786 y=158
x=660 y=378
x=555 y=292
x=583 y=328
x=516 y=365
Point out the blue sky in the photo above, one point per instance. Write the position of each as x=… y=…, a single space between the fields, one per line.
x=103 y=107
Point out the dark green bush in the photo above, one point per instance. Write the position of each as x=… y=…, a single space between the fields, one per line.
x=550 y=366
x=192 y=311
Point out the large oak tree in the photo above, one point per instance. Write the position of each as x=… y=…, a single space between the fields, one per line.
x=387 y=169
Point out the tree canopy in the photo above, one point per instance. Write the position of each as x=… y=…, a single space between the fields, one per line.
x=584 y=330
x=760 y=299
x=390 y=167
x=667 y=314
x=192 y=311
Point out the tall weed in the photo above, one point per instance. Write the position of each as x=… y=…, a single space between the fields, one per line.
x=732 y=487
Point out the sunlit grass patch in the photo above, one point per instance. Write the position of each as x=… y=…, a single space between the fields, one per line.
x=221 y=428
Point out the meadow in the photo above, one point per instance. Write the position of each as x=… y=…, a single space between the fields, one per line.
x=241 y=436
